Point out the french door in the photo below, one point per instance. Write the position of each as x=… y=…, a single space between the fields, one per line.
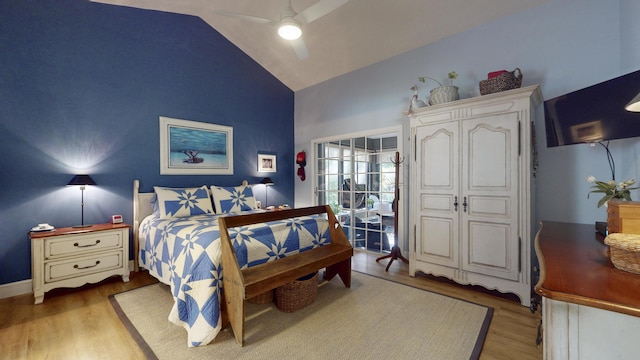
x=355 y=175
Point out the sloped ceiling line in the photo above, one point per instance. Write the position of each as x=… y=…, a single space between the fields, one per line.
x=355 y=30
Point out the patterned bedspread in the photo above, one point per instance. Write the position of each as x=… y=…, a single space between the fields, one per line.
x=185 y=253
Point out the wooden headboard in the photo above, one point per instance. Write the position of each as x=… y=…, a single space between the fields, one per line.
x=141 y=209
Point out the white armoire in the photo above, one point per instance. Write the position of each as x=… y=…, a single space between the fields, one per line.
x=471 y=207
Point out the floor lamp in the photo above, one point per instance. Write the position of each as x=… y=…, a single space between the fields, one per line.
x=266 y=182
x=82 y=181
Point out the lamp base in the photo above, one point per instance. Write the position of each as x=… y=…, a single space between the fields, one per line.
x=82 y=226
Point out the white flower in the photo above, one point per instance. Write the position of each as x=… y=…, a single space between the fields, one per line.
x=626 y=184
x=610 y=190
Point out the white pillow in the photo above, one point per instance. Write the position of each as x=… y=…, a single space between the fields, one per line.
x=182 y=202
x=233 y=199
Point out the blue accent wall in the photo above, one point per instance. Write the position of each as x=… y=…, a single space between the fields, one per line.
x=82 y=86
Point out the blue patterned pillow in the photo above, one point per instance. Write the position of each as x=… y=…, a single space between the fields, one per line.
x=233 y=199
x=182 y=202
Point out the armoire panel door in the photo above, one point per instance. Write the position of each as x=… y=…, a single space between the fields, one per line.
x=489 y=176
x=437 y=222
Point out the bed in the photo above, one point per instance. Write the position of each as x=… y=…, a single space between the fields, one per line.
x=182 y=248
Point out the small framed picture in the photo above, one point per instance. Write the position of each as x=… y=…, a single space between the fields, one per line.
x=266 y=163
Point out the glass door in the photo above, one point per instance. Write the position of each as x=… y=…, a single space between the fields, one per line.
x=356 y=177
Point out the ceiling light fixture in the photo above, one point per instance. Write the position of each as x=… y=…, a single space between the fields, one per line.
x=289 y=29
x=634 y=105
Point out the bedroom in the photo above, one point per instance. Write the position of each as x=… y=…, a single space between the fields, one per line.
x=128 y=57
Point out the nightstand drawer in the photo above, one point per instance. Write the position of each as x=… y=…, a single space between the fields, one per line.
x=81 y=243
x=59 y=270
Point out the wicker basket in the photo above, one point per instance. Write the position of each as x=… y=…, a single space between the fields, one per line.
x=624 y=250
x=297 y=294
x=505 y=81
x=264 y=298
x=443 y=94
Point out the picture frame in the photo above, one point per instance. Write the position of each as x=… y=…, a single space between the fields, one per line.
x=195 y=148
x=267 y=163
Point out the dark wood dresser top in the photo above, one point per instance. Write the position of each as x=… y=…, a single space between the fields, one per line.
x=575 y=268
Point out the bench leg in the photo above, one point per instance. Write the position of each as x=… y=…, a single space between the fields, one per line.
x=343 y=269
x=234 y=304
x=224 y=314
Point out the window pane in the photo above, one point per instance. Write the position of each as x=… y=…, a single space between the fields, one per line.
x=332 y=151
x=332 y=182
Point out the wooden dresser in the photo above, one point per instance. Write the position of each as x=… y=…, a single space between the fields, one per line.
x=72 y=257
x=591 y=310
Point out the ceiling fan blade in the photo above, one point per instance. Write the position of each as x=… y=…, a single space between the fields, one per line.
x=255 y=19
x=318 y=10
x=300 y=48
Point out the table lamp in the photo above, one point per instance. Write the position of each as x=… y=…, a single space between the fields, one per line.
x=266 y=182
x=82 y=181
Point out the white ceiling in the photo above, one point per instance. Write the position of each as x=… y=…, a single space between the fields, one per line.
x=357 y=34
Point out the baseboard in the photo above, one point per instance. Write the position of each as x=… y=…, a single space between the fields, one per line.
x=25 y=287
x=15 y=289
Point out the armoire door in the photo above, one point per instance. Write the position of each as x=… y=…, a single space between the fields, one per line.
x=489 y=195
x=437 y=217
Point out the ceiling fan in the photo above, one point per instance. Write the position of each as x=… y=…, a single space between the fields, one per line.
x=290 y=22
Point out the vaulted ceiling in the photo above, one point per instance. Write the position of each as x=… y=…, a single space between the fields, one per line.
x=357 y=34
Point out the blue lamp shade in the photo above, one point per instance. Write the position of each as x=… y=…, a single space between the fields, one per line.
x=82 y=180
x=266 y=181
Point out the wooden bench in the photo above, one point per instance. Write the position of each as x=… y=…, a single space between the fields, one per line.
x=242 y=284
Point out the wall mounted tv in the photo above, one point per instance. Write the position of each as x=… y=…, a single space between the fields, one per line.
x=595 y=113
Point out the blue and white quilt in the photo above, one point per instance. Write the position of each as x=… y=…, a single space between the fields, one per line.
x=186 y=254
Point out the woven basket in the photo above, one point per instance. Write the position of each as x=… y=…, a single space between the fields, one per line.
x=297 y=294
x=264 y=298
x=505 y=81
x=624 y=250
x=443 y=94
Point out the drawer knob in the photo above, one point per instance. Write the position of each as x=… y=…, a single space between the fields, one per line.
x=89 y=245
x=86 y=267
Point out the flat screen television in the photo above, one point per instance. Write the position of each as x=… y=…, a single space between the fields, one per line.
x=595 y=113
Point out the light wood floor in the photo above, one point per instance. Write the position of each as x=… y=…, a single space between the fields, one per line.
x=81 y=324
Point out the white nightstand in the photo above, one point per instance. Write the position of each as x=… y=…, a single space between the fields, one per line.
x=72 y=257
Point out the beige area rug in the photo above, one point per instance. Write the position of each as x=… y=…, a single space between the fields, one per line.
x=375 y=318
